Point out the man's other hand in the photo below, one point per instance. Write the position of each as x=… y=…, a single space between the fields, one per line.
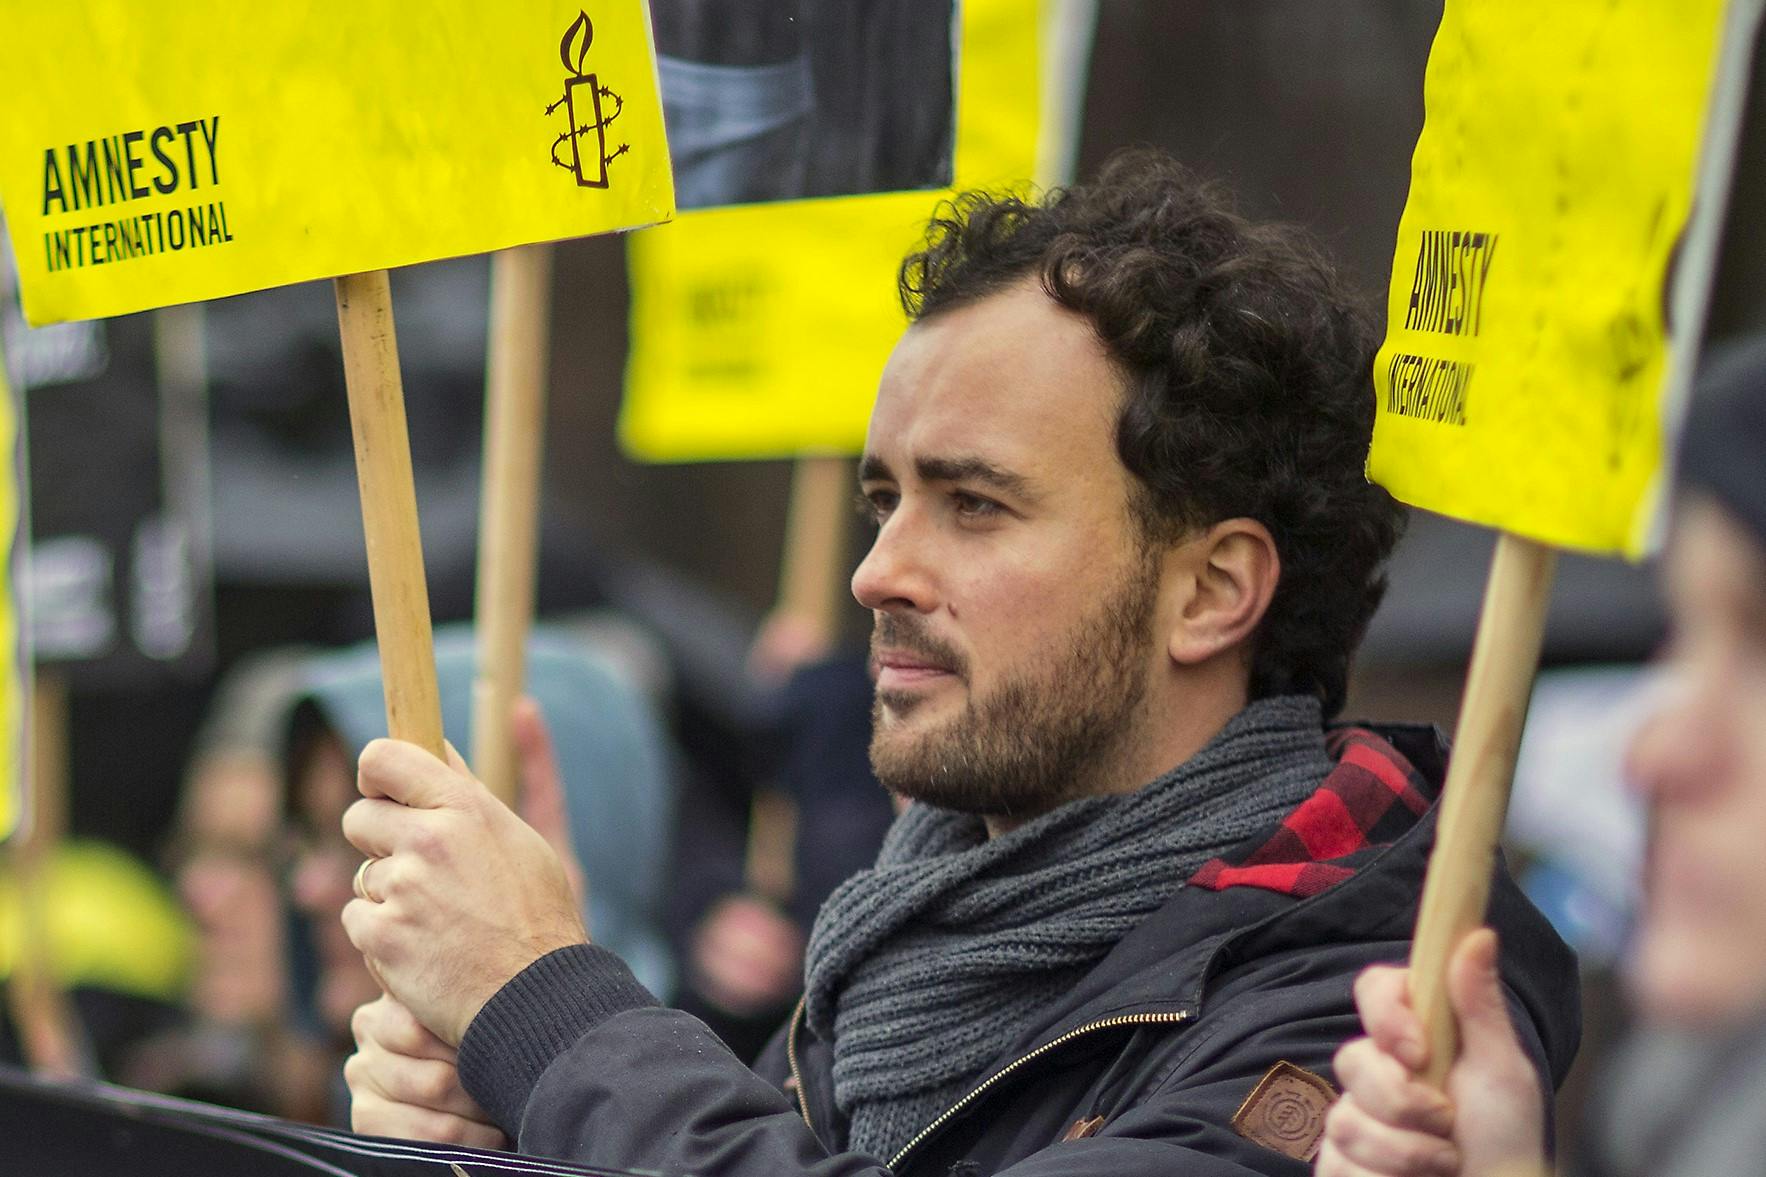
x=404 y=1083
x=464 y=894
x=1390 y=1122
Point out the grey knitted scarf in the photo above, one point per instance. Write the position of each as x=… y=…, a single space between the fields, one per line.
x=923 y=969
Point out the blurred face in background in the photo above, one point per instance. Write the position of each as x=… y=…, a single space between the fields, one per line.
x=324 y=868
x=226 y=869
x=1700 y=765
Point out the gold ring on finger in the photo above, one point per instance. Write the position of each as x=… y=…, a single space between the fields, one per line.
x=359 y=884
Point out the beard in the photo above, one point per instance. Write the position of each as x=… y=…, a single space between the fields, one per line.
x=1040 y=737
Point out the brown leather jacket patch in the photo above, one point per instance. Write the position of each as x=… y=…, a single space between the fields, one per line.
x=1285 y=1112
x=1082 y=1129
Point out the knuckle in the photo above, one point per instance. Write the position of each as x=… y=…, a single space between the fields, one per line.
x=446 y=1129
x=1417 y=1156
x=351 y=918
x=1348 y=1060
x=373 y=759
x=389 y=879
x=362 y=1022
x=368 y=1115
x=404 y=1030
x=425 y=841
x=432 y=1083
x=358 y=924
x=1343 y=1123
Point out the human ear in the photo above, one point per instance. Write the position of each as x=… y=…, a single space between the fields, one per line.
x=1231 y=573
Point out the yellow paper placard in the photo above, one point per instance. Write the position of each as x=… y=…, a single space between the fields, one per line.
x=1522 y=378
x=759 y=331
x=154 y=154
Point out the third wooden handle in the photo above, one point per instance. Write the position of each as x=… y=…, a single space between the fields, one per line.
x=1475 y=797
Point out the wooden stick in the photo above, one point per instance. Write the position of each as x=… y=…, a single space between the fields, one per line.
x=813 y=566
x=49 y=1032
x=770 y=865
x=1475 y=797
x=509 y=502
x=389 y=509
x=811 y=572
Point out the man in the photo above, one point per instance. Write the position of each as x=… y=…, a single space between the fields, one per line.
x=1125 y=549
x=1689 y=1095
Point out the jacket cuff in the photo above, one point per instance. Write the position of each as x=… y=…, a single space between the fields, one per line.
x=534 y=1018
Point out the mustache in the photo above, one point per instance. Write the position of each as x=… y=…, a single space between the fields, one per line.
x=910 y=634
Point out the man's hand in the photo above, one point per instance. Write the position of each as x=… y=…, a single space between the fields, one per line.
x=403 y=1083
x=1389 y=1122
x=465 y=894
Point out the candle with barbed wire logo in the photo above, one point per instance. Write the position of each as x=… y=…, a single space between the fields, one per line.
x=586 y=102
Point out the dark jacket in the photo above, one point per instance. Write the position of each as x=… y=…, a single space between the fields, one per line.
x=1148 y=1060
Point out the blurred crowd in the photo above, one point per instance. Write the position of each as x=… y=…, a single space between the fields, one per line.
x=221 y=970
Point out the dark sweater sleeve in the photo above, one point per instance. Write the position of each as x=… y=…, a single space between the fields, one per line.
x=574 y=1059
x=536 y=1017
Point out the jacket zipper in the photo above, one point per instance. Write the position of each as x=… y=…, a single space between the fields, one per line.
x=928 y=1130
x=796 y=1074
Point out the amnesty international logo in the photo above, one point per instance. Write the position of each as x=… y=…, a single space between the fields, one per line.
x=581 y=149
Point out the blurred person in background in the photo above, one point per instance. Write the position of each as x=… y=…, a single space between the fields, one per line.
x=1686 y=1097
x=118 y=945
x=613 y=813
x=226 y=856
x=743 y=966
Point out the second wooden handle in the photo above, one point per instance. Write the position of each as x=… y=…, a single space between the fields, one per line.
x=389 y=509
x=509 y=504
x=1474 y=800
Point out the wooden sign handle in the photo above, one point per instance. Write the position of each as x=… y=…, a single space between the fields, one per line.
x=389 y=509
x=1474 y=799
x=811 y=572
x=50 y=1035
x=509 y=502
x=813 y=565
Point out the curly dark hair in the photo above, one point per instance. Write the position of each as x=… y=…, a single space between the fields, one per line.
x=1248 y=380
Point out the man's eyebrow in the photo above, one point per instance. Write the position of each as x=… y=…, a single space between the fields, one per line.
x=972 y=469
x=960 y=469
x=871 y=468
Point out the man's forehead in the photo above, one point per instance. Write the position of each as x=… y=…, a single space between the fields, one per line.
x=1005 y=384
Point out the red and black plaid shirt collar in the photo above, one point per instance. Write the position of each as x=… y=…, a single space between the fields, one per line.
x=1372 y=797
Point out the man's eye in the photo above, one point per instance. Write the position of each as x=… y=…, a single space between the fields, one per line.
x=972 y=506
x=875 y=505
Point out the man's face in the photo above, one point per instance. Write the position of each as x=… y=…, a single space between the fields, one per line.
x=1701 y=766
x=1014 y=601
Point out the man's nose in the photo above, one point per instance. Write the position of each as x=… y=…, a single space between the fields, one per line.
x=897 y=572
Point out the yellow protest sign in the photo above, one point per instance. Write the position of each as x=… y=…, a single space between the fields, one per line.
x=165 y=153
x=1522 y=378
x=759 y=331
